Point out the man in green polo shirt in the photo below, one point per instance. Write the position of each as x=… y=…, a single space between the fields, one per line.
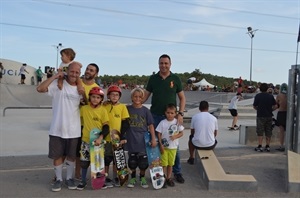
x=164 y=87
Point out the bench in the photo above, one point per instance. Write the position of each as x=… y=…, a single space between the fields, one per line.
x=293 y=172
x=215 y=178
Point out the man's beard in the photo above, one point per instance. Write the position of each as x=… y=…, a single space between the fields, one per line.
x=89 y=77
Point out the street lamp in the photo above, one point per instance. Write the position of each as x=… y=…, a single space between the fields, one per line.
x=251 y=33
x=58 y=47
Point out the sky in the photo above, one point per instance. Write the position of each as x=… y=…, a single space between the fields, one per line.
x=128 y=36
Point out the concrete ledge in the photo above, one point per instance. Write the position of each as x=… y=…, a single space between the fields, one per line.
x=293 y=172
x=248 y=136
x=215 y=177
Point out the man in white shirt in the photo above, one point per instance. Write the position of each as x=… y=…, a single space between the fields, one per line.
x=204 y=128
x=65 y=125
x=22 y=72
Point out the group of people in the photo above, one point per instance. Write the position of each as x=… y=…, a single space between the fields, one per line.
x=79 y=106
x=69 y=136
x=265 y=104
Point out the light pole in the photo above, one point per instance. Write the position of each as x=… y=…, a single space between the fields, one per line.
x=251 y=33
x=58 y=47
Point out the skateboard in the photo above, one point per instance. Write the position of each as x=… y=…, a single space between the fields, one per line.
x=119 y=158
x=234 y=128
x=97 y=161
x=156 y=170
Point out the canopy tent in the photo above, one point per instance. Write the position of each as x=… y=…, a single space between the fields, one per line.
x=203 y=83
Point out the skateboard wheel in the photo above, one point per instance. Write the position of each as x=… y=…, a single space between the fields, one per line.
x=122 y=177
x=154 y=178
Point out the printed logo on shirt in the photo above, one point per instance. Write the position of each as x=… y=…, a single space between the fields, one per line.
x=171 y=84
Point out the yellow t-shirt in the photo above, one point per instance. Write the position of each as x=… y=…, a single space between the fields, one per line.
x=116 y=114
x=92 y=118
x=87 y=89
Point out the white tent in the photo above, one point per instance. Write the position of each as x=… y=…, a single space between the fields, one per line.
x=203 y=83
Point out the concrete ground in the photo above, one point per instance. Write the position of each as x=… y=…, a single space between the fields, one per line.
x=25 y=170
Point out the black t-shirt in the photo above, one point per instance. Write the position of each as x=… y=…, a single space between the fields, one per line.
x=264 y=102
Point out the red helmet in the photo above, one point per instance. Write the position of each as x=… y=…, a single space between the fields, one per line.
x=97 y=91
x=114 y=88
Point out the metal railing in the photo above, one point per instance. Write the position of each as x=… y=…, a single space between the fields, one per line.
x=6 y=108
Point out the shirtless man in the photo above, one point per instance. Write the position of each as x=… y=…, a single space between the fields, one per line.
x=281 y=101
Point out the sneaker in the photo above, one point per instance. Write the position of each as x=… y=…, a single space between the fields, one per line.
x=117 y=182
x=71 y=184
x=53 y=180
x=191 y=161
x=165 y=184
x=170 y=182
x=131 y=183
x=144 y=182
x=259 y=148
x=108 y=183
x=236 y=126
x=231 y=128
x=179 y=178
x=267 y=148
x=57 y=186
x=81 y=186
x=103 y=187
x=281 y=149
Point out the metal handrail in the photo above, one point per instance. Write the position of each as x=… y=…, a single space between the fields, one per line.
x=36 y=107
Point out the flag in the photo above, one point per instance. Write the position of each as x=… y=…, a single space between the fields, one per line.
x=299 y=35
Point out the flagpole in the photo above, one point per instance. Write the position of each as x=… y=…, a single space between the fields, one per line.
x=297 y=53
x=298 y=40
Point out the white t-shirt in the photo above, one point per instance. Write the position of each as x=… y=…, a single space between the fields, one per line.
x=167 y=129
x=22 y=69
x=204 y=125
x=65 y=108
x=233 y=103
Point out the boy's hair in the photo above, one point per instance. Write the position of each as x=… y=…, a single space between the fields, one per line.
x=263 y=87
x=203 y=105
x=69 y=52
x=171 y=106
x=139 y=90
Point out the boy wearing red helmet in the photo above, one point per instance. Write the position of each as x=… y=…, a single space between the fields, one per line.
x=118 y=120
x=94 y=116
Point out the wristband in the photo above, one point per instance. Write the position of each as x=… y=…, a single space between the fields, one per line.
x=180 y=113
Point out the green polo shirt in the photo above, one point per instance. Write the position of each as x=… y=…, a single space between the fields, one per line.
x=164 y=92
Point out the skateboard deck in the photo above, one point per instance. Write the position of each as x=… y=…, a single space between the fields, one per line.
x=234 y=128
x=97 y=161
x=156 y=170
x=119 y=158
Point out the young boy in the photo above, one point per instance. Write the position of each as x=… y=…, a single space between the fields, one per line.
x=118 y=120
x=67 y=56
x=140 y=122
x=168 y=134
x=94 y=116
x=233 y=110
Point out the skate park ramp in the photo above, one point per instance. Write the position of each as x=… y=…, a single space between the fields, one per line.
x=22 y=95
x=12 y=95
